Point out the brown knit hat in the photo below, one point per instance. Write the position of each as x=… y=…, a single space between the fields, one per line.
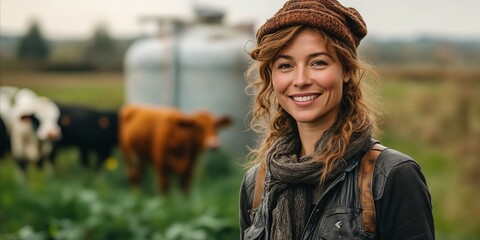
x=330 y=16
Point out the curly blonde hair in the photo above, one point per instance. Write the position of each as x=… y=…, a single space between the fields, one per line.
x=271 y=121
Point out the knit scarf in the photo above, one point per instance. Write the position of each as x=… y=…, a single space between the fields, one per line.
x=292 y=179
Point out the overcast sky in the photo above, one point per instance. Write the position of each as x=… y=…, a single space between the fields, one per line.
x=384 y=18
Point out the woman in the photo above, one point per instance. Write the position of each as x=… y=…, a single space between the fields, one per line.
x=317 y=128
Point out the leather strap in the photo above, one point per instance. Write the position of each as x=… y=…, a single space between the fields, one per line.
x=365 y=179
x=259 y=185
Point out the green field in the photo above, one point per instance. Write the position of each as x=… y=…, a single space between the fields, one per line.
x=434 y=121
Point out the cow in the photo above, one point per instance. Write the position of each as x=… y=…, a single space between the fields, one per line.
x=31 y=122
x=168 y=139
x=89 y=130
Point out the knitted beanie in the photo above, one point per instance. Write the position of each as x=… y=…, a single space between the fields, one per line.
x=330 y=16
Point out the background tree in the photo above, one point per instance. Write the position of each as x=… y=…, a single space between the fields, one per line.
x=33 y=46
x=101 y=51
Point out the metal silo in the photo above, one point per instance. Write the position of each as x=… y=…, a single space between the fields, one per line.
x=198 y=66
x=150 y=71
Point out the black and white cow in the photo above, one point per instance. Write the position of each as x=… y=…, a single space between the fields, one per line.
x=88 y=129
x=31 y=123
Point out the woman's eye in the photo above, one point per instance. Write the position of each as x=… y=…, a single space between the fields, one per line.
x=319 y=63
x=284 y=66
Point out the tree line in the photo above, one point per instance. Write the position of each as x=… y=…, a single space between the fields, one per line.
x=100 y=50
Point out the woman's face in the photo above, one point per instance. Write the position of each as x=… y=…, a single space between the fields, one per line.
x=307 y=79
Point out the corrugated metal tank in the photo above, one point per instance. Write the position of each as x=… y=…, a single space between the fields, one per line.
x=198 y=66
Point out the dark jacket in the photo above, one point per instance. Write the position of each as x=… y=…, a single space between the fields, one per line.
x=402 y=203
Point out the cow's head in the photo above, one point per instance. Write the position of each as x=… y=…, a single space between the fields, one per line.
x=48 y=114
x=208 y=124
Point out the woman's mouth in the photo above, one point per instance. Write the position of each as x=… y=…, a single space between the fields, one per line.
x=305 y=98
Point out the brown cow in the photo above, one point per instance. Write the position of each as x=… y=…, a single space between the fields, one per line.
x=167 y=138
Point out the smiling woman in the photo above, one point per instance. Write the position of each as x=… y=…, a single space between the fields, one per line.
x=307 y=78
x=318 y=173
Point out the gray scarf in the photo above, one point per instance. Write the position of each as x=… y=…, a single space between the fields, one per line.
x=292 y=179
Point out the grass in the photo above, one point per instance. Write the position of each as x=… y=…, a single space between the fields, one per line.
x=436 y=122
x=102 y=90
x=69 y=202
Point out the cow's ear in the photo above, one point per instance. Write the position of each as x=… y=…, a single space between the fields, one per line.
x=224 y=121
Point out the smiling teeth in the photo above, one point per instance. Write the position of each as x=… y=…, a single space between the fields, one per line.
x=305 y=98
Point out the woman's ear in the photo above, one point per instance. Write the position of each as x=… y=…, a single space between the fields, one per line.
x=347 y=76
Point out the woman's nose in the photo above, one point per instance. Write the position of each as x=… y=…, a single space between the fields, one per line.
x=302 y=78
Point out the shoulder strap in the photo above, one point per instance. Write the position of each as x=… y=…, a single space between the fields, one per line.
x=259 y=185
x=365 y=178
